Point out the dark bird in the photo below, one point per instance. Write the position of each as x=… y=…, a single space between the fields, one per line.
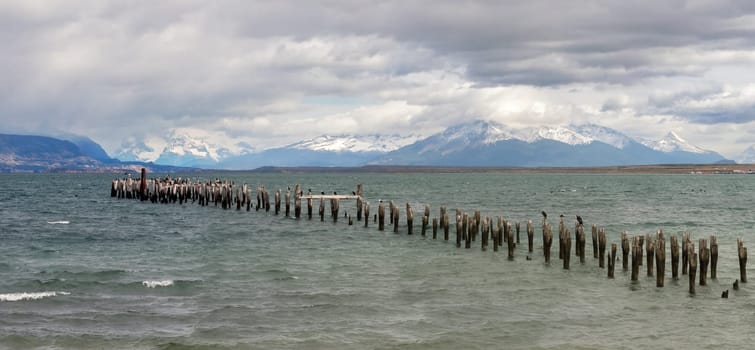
x=334 y=192
x=353 y=193
x=545 y=216
x=322 y=193
x=579 y=220
x=561 y=216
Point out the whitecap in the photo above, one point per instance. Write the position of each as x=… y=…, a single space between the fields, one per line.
x=154 y=284
x=29 y=296
x=59 y=222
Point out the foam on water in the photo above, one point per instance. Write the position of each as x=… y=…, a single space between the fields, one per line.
x=29 y=296
x=59 y=222
x=154 y=284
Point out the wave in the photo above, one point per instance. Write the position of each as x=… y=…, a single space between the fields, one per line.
x=154 y=284
x=29 y=296
x=59 y=222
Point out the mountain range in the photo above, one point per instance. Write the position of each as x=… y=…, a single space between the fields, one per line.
x=477 y=143
x=474 y=143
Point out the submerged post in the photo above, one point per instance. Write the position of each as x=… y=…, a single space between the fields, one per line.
x=650 y=250
x=660 y=259
x=742 y=255
x=601 y=247
x=692 y=256
x=381 y=216
x=595 y=242
x=624 y=251
x=674 y=257
x=713 y=256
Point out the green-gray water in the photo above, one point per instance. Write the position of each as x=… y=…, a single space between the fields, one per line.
x=129 y=274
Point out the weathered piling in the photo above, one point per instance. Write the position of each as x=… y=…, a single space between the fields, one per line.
x=395 y=219
x=595 y=242
x=692 y=256
x=674 y=257
x=636 y=257
x=642 y=242
x=496 y=235
x=561 y=238
x=458 y=229
x=278 y=202
x=530 y=235
x=713 y=256
x=464 y=226
x=650 y=251
x=381 y=216
x=297 y=201
x=366 y=213
x=547 y=242
x=425 y=220
x=445 y=226
x=476 y=226
x=742 y=255
x=704 y=256
x=391 y=208
x=510 y=241
x=601 y=247
x=410 y=219
x=335 y=207
x=685 y=252
x=359 y=202
x=142 y=185
x=485 y=232
x=288 y=202
x=435 y=228
x=321 y=210
x=566 y=248
x=612 y=261
x=309 y=208
x=469 y=223
x=660 y=259
x=624 y=251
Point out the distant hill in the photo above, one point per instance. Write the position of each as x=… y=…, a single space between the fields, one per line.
x=30 y=153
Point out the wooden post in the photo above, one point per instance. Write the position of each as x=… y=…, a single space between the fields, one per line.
x=547 y=242
x=650 y=250
x=704 y=256
x=674 y=257
x=366 y=213
x=624 y=251
x=391 y=208
x=636 y=257
x=595 y=243
x=510 y=241
x=381 y=216
x=567 y=248
x=464 y=226
x=359 y=202
x=581 y=242
x=476 y=226
x=468 y=230
x=410 y=220
x=458 y=230
x=642 y=242
x=660 y=259
x=561 y=238
x=142 y=186
x=278 y=202
x=297 y=201
x=395 y=219
x=601 y=247
x=288 y=202
x=485 y=232
x=445 y=227
x=517 y=232
x=713 y=256
x=435 y=228
x=742 y=255
x=612 y=261
x=321 y=210
x=496 y=234
x=530 y=235
x=425 y=220
x=685 y=257
x=309 y=208
x=692 y=256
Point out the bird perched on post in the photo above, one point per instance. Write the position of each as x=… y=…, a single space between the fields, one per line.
x=545 y=216
x=579 y=220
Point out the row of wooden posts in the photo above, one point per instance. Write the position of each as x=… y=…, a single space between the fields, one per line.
x=499 y=231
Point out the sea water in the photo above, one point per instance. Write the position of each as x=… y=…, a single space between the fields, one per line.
x=82 y=270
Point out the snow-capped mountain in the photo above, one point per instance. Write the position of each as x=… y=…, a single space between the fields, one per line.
x=487 y=143
x=185 y=150
x=747 y=156
x=672 y=142
x=347 y=143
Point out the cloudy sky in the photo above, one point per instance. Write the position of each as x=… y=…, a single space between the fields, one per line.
x=272 y=72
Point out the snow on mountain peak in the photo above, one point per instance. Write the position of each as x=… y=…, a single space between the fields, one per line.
x=603 y=134
x=365 y=143
x=672 y=142
x=485 y=131
x=185 y=145
x=559 y=134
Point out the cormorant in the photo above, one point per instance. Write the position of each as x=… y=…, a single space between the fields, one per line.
x=353 y=193
x=579 y=220
x=545 y=216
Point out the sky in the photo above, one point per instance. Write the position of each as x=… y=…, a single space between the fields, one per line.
x=269 y=73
